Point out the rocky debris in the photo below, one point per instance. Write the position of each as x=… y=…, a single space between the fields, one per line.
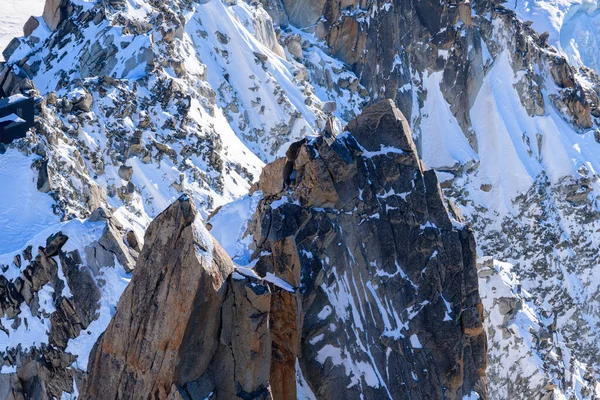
x=75 y=313
x=329 y=233
x=42 y=374
x=513 y=320
x=46 y=371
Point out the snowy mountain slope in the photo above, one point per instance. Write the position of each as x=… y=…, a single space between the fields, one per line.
x=60 y=281
x=530 y=190
x=19 y=193
x=524 y=172
x=572 y=26
x=144 y=102
x=13 y=15
x=518 y=333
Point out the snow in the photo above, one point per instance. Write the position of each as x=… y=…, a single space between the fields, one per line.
x=278 y=282
x=31 y=331
x=414 y=342
x=12 y=118
x=303 y=391
x=443 y=143
x=18 y=193
x=274 y=77
x=354 y=369
x=508 y=154
x=324 y=313
x=111 y=281
x=471 y=396
x=115 y=281
x=573 y=26
x=203 y=240
x=522 y=329
x=229 y=226
x=13 y=15
x=266 y=94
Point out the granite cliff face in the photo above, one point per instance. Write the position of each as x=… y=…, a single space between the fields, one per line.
x=362 y=284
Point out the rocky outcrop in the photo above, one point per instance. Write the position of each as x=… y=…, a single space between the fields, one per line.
x=189 y=326
x=55 y=12
x=51 y=301
x=390 y=300
x=167 y=323
x=360 y=274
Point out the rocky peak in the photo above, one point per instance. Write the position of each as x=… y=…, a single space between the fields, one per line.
x=362 y=283
x=388 y=281
x=167 y=323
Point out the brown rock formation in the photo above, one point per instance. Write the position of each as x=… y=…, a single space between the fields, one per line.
x=55 y=12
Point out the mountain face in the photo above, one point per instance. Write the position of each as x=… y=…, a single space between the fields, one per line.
x=355 y=279
x=362 y=283
x=391 y=307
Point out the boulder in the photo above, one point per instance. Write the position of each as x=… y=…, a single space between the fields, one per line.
x=125 y=172
x=83 y=101
x=113 y=241
x=30 y=26
x=12 y=46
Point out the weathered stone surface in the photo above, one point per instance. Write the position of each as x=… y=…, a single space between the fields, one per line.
x=76 y=313
x=304 y=13
x=389 y=295
x=369 y=287
x=167 y=324
x=45 y=371
x=272 y=178
x=286 y=331
x=10 y=48
x=125 y=172
x=83 y=102
x=113 y=241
